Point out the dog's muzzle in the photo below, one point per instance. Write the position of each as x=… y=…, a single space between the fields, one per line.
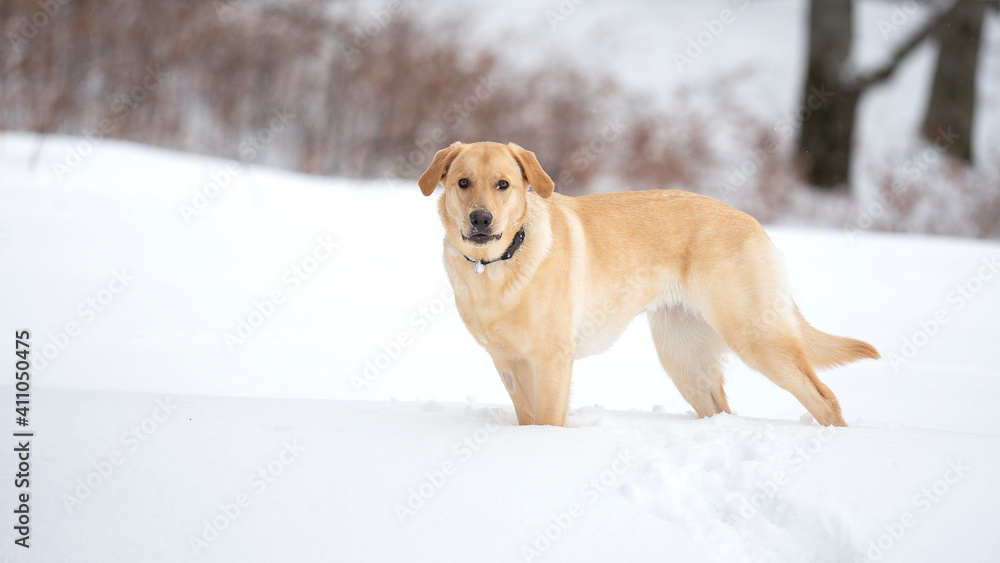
x=481 y=228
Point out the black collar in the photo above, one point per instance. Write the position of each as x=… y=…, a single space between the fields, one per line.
x=514 y=245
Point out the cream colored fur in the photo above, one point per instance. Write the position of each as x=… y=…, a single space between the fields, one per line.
x=707 y=275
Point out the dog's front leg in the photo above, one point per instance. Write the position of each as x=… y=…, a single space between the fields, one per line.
x=552 y=377
x=539 y=387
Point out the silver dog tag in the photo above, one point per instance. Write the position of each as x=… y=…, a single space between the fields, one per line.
x=480 y=267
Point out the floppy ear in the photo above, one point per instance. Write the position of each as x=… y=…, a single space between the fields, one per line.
x=537 y=178
x=430 y=179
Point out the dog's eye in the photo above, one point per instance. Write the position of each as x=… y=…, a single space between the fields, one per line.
x=502 y=185
x=463 y=183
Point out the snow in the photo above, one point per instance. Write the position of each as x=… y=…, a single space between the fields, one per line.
x=357 y=419
x=624 y=485
x=153 y=436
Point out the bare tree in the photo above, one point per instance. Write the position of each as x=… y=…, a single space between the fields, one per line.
x=825 y=137
x=952 y=107
x=832 y=89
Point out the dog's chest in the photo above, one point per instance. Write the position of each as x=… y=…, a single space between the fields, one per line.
x=496 y=327
x=519 y=328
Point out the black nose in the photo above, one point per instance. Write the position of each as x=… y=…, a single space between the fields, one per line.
x=481 y=220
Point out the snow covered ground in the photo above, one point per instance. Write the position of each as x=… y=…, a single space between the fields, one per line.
x=237 y=363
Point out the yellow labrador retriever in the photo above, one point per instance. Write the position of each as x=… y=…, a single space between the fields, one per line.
x=541 y=279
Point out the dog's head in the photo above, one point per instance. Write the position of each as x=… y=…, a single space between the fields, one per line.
x=485 y=193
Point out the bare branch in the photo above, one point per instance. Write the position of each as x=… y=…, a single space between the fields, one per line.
x=875 y=76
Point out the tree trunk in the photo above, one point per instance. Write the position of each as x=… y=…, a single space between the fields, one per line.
x=828 y=103
x=952 y=107
x=832 y=88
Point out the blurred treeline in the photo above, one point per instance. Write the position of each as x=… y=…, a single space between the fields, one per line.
x=312 y=88
x=372 y=91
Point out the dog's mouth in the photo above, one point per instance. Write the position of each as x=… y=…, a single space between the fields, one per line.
x=480 y=239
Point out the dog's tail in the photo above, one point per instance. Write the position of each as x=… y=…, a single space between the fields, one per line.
x=827 y=351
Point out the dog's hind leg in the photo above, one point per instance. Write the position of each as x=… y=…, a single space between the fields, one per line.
x=783 y=360
x=691 y=351
x=772 y=345
x=748 y=303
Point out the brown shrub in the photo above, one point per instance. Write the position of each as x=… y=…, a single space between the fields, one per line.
x=925 y=191
x=310 y=86
x=363 y=96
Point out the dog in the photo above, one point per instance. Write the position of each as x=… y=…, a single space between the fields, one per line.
x=542 y=279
